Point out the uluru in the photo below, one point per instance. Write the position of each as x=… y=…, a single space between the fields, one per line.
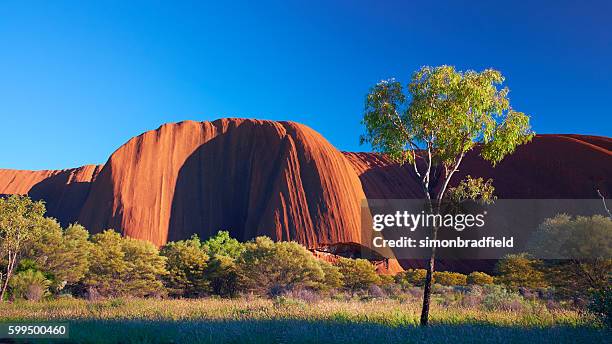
x=279 y=179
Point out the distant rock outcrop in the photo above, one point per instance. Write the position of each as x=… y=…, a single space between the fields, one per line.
x=64 y=191
x=549 y=167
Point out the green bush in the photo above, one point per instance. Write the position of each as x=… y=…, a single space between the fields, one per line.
x=499 y=298
x=30 y=285
x=269 y=267
x=186 y=263
x=62 y=254
x=332 y=278
x=449 y=278
x=479 y=278
x=122 y=266
x=224 y=276
x=222 y=244
x=601 y=305
x=358 y=274
x=411 y=277
x=520 y=270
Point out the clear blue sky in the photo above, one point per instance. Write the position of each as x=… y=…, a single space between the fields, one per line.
x=78 y=79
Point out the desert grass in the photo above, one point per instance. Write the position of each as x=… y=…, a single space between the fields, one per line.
x=259 y=320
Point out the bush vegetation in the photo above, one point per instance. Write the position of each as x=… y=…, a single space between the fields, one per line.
x=41 y=260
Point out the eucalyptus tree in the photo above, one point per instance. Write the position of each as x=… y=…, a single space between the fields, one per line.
x=19 y=218
x=444 y=114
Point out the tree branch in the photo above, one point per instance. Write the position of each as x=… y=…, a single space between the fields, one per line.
x=603 y=200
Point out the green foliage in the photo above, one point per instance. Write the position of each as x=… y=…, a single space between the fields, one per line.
x=222 y=244
x=585 y=243
x=358 y=274
x=447 y=111
x=411 y=277
x=186 y=263
x=29 y=284
x=582 y=237
x=125 y=266
x=520 y=270
x=61 y=254
x=386 y=279
x=601 y=304
x=473 y=189
x=449 y=278
x=479 y=278
x=499 y=298
x=224 y=276
x=19 y=218
x=332 y=277
x=268 y=267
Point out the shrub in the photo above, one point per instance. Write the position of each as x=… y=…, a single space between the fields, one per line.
x=186 y=263
x=601 y=305
x=30 y=284
x=63 y=255
x=125 y=266
x=499 y=298
x=520 y=270
x=411 y=277
x=224 y=276
x=358 y=274
x=332 y=277
x=479 y=278
x=588 y=238
x=386 y=280
x=449 y=278
x=472 y=297
x=376 y=291
x=268 y=266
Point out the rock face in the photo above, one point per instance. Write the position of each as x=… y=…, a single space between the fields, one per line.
x=549 y=167
x=279 y=179
x=64 y=191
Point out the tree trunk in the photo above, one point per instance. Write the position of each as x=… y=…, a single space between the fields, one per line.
x=428 y=283
x=9 y=271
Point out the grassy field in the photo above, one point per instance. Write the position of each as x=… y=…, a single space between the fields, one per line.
x=287 y=321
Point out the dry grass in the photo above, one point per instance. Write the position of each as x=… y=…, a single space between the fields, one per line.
x=286 y=320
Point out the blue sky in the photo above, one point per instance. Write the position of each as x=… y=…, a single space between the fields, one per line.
x=78 y=79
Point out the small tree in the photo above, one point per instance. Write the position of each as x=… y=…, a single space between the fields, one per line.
x=124 y=266
x=520 y=270
x=357 y=274
x=446 y=114
x=62 y=254
x=583 y=246
x=269 y=267
x=186 y=264
x=145 y=268
x=19 y=217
